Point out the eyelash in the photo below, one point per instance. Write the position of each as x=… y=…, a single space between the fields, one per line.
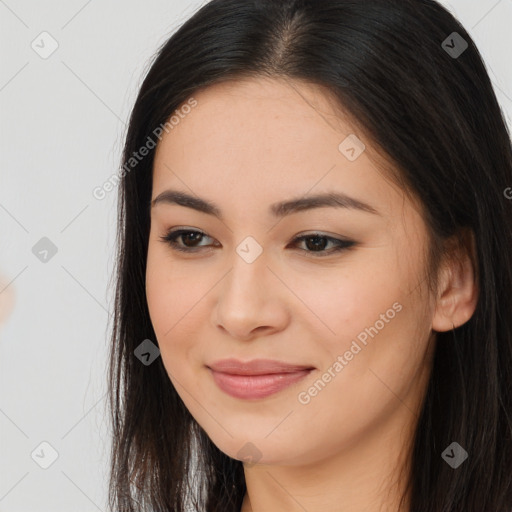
x=172 y=235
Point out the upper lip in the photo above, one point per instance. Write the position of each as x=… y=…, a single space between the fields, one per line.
x=256 y=367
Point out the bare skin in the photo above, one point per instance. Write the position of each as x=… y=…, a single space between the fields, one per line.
x=246 y=145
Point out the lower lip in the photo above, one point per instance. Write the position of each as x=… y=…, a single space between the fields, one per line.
x=256 y=386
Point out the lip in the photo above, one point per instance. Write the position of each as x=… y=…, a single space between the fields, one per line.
x=256 y=367
x=255 y=379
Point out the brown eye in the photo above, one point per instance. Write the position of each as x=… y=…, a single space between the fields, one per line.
x=189 y=237
x=316 y=243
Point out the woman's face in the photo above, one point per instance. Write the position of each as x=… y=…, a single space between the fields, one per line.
x=361 y=316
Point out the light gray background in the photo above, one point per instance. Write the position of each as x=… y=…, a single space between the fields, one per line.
x=62 y=122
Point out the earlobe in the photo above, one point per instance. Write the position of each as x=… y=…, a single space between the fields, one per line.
x=458 y=287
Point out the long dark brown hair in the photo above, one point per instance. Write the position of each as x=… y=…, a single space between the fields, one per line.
x=426 y=100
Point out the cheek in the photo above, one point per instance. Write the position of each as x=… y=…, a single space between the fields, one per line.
x=170 y=291
x=165 y=309
x=176 y=295
x=370 y=318
x=166 y=296
x=340 y=304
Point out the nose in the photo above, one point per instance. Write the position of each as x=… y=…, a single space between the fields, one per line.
x=250 y=301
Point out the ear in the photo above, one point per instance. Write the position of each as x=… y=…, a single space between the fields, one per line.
x=458 y=285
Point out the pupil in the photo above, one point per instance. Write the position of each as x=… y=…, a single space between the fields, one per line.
x=317 y=238
x=192 y=235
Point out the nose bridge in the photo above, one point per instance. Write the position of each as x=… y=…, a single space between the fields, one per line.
x=249 y=250
x=249 y=267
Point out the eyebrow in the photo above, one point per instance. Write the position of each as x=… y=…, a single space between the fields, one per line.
x=280 y=209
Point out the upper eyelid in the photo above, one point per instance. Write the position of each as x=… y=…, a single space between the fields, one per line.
x=185 y=229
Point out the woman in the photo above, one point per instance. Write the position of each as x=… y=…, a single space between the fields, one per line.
x=314 y=271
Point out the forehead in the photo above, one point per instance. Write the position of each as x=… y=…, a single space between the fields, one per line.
x=267 y=138
x=247 y=111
